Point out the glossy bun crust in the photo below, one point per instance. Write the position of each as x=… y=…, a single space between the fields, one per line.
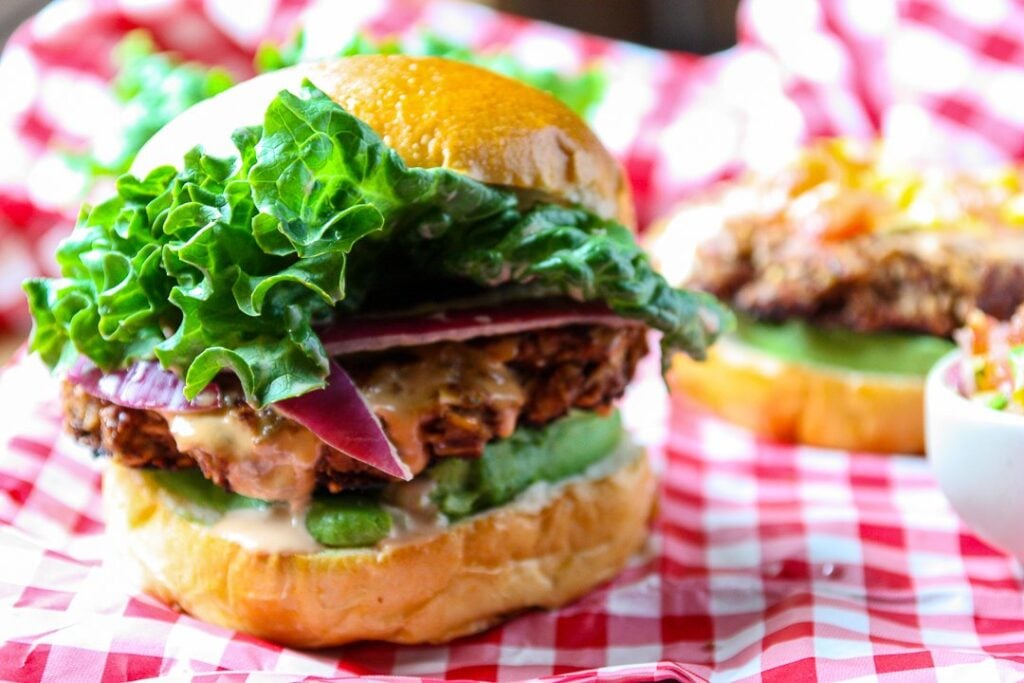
x=435 y=113
x=424 y=590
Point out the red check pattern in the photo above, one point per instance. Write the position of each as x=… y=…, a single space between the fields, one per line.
x=767 y=562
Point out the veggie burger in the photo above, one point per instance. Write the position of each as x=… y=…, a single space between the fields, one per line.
x=849 y=274
x=351 y=334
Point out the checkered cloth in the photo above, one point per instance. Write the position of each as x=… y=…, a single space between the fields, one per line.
x=767 y=562
x=821 y=565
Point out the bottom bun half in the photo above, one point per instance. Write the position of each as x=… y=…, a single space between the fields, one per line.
x=427 y=589
x=795 y=403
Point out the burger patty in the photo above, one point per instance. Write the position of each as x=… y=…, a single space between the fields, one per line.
x=442 y=400
x=922 y=281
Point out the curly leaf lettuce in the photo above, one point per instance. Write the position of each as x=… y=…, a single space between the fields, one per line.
x=229 y=264
x=573 y=253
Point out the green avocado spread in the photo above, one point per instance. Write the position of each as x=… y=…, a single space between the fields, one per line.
x=557 y=451
x=883 y=352
x=462 y=486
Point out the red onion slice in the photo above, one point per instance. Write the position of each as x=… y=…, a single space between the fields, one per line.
x=145 y=385
x=376 y=333
x=340 y=416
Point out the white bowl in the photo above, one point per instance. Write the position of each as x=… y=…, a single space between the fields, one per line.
x=977 y=454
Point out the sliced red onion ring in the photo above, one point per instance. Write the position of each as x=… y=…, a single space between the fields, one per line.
x=340 y=416
x=376 y=333
x=145 y=385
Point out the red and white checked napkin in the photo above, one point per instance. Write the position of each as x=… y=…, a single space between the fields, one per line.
x=767 y=562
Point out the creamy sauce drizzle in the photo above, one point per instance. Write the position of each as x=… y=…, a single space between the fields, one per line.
x=273 y=529
x=403 y=394
x=277 y=465
x=412 y=512
x=276 y=461
x=413 y=515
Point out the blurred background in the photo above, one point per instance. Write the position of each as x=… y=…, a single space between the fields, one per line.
x=13 y=12
x=940 y=80
x=701 y=26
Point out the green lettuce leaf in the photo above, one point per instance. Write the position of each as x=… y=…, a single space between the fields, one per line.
x=571 y=252
x=228 y=264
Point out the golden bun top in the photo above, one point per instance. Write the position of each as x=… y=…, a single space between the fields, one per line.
x=435 y=113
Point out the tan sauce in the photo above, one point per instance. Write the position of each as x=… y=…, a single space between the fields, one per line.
x=277 y=465
x=413 y=513
x=277 y=462
x=273 y=530
x=414 y=517
x=402 y=395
